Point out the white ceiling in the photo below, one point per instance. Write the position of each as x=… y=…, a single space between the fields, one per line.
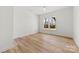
x=39 y=9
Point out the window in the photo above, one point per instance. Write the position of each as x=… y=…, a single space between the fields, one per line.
x=50 y=23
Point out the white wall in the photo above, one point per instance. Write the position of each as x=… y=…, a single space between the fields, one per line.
x=64 y=22
x=25 y=22
x=76 y=25
x=6 y=28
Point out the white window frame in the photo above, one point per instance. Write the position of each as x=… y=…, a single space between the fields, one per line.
x=49 y=24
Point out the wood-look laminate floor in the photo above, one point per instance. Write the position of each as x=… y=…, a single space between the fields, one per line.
x=44 y=43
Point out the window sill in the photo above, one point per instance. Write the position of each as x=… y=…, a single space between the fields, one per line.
x=49 y=29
